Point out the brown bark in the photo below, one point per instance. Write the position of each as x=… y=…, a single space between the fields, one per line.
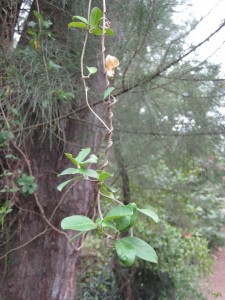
x=123 y=174
x=45 y=267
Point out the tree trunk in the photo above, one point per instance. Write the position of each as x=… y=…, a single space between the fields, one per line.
x=46 y=267
x=123 y=174
x=38 y=262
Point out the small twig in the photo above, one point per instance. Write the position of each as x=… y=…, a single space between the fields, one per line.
x=113 y=199
x=61 y=200
x=98 y=200
x=25 y=244
x=6 y=242
x=82 y=242
x=4 y=116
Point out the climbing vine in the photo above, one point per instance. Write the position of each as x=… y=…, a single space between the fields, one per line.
x=116 y=226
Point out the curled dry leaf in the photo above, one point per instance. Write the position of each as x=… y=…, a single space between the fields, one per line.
x=111 y=63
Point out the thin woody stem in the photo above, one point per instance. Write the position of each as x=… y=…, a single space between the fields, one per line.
x=111 y=101
x=82 y=71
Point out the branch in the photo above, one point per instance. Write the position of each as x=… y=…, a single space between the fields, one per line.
x=178 y=134
x=170 y=64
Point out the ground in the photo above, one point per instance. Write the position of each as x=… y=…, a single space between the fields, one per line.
x=216 y=282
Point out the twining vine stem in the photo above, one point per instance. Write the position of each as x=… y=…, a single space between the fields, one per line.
x=82 y=70
x=111 y=100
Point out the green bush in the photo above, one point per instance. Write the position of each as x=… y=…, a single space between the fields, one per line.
x=184 y=259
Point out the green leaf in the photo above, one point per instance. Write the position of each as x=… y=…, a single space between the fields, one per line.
x=142 y=249
x=109 y=224
x=71 y=158
x=99 y=31
x=126 y=252
x=91 y=70
x=109 y=188
x=91 y=160
x=108 y=92
x=77 y=24
x=118 y=212
x=106 y=192
x=95 y=17
x=69 y=171
x=96 y=31
x=63 y=184
x=38 y=16
x=85 y=172
x=81 y=19
x=133 y=206
x=89 y=173
x=104 y=175
x=123 y=224
x=79 y=223
x=109 y=31
x=148 y=212
x=32 y=24
x=83 y=154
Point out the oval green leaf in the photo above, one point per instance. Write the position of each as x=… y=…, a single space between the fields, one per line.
x=79 y=223
x=104 y=175
x=38 y=16
x=85 y=172
x=89 y=173
x=96 y=31
x=109 y=224
x=142 y=249
x=148 y=212
x=83 y=154
x=77 y=24
x=91 y=160
x=118 y=212
x=109 y=31
x=95 y=17
x=123 y=224
x=91 y=70
x=63 y=184
x=125 y=252
x=69 y=171
x=81 y=19
x=105 y=193
x=133 y=206
x=108 y=92
x=99 y=31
